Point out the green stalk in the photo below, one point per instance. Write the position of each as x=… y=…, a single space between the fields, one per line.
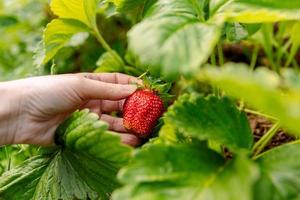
x=292 y=55
x=142 y=75
x=213 y=58
x=220 y=54
x=53 y=68
x=259 y=114
x=9 y=159
x=254 y=57
x=214 y=62
x=242 y=104
x=280 y=39
x=267 y=31
x=283 y=51
x=295 y=64
x=104 y=44
x=265 y=140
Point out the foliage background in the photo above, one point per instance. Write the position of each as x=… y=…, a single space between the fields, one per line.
x=21 y=26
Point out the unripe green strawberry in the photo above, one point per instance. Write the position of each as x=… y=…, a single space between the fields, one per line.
x=141 y=112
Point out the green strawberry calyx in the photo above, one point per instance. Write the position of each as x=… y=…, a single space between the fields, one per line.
x=158 y=86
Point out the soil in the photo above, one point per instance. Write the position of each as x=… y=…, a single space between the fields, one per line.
x=260 y=126
x=241 y=52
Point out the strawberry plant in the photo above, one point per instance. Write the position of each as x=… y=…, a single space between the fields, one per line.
x=219 y=61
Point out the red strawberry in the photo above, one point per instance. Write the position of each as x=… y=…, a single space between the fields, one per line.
x=141 y=112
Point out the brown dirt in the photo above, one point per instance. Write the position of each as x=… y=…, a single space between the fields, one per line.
x=260 y=126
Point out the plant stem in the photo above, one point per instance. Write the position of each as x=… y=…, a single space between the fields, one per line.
x=267 y=31
x=213 y=58
x=295 y=64
x=280 y=40
x=220 y=54
x=254 y=57
x=292 y=54
x=106 y=46
x=259 y=113
x=283 y=51
x=214 y=62
x=242 y=104
x=142 y=75
x=216 y=91
x=265 y=139
x=9 y=159
x=53 y=68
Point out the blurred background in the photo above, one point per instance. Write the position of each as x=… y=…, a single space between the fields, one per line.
x=21 y=29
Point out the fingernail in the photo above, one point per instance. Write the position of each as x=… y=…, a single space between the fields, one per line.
x=137 y=82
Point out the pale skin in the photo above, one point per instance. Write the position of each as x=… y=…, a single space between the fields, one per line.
x=31 y=109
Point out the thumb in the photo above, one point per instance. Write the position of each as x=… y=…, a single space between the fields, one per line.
x=94 y=89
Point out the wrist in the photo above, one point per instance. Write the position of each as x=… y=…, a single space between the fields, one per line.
x=10 y=100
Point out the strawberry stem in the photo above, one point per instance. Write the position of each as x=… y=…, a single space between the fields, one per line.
x=142 y=75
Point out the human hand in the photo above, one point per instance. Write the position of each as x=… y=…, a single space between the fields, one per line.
x=31 y=109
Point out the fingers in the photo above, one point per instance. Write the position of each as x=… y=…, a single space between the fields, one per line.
x=115 y=123
x=116 y=78
x=104 y=106
x=129 y=139
x=111 y=106
x=93 y=89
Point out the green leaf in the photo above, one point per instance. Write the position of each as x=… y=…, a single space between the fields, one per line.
x=172 y=39
x=264 y=90
x=58 y=33
x=237 y=31
x=78 y=39
x=185 y=172
x=84 y=132
x=280 y=173
x=258 y=11
x=20 y=182
x=211 y=118
x=108 y=63
x=277 y=4
x=166 y=7
x=82 y=10
x=170 y=134
x=84 y=167
x=127 y=5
